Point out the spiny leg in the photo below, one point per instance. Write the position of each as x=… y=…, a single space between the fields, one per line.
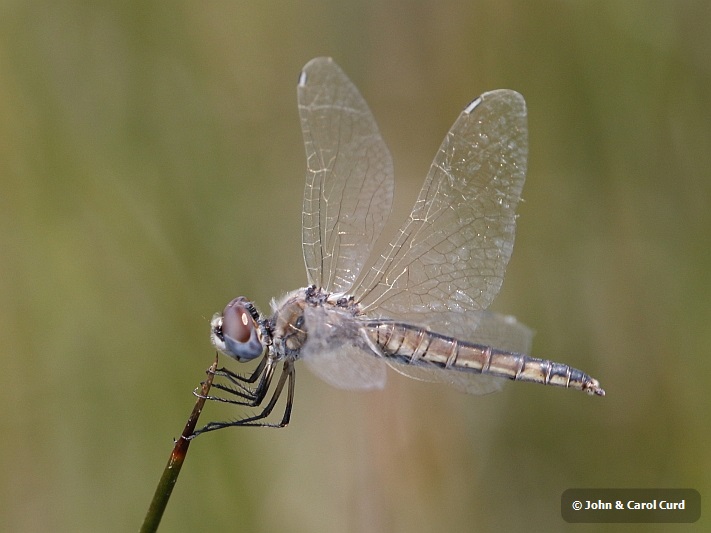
x=250 y=397
x=287 y=373
x=264 y=371
x=240 y=379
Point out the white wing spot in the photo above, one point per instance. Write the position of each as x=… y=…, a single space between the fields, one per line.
x=302 y=79
x=472 y=105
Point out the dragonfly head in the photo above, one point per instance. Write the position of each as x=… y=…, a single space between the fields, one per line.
x=235 y=332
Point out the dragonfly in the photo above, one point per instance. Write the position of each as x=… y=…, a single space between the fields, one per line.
x=421 y=308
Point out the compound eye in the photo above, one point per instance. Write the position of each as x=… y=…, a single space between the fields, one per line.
x=236 y=332
x=237 y=323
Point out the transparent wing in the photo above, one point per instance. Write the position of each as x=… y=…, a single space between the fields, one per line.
x=451 y=253
x=478 y=327
x=350 y=368
x=462 y=381
x=336 y=352
x=349 y=177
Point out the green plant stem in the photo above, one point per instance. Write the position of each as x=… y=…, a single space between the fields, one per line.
x=175 y=463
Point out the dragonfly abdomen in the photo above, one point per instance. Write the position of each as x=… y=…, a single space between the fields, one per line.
x=417 y=346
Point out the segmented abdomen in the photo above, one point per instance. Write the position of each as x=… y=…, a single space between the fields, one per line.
x=415 y=345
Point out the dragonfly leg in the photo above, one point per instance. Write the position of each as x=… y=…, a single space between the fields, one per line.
x=287 y=375
x=238 y=379
x=248 y=396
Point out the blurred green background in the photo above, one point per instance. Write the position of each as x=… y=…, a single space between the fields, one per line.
x=151 y=169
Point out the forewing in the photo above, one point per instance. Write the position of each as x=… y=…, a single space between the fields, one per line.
x=452 y=252
x=349 y=177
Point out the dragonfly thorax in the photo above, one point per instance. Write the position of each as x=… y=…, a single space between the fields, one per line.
x=288 y=325
x=313 y=312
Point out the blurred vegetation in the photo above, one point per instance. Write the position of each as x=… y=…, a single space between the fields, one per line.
x=151 y=168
